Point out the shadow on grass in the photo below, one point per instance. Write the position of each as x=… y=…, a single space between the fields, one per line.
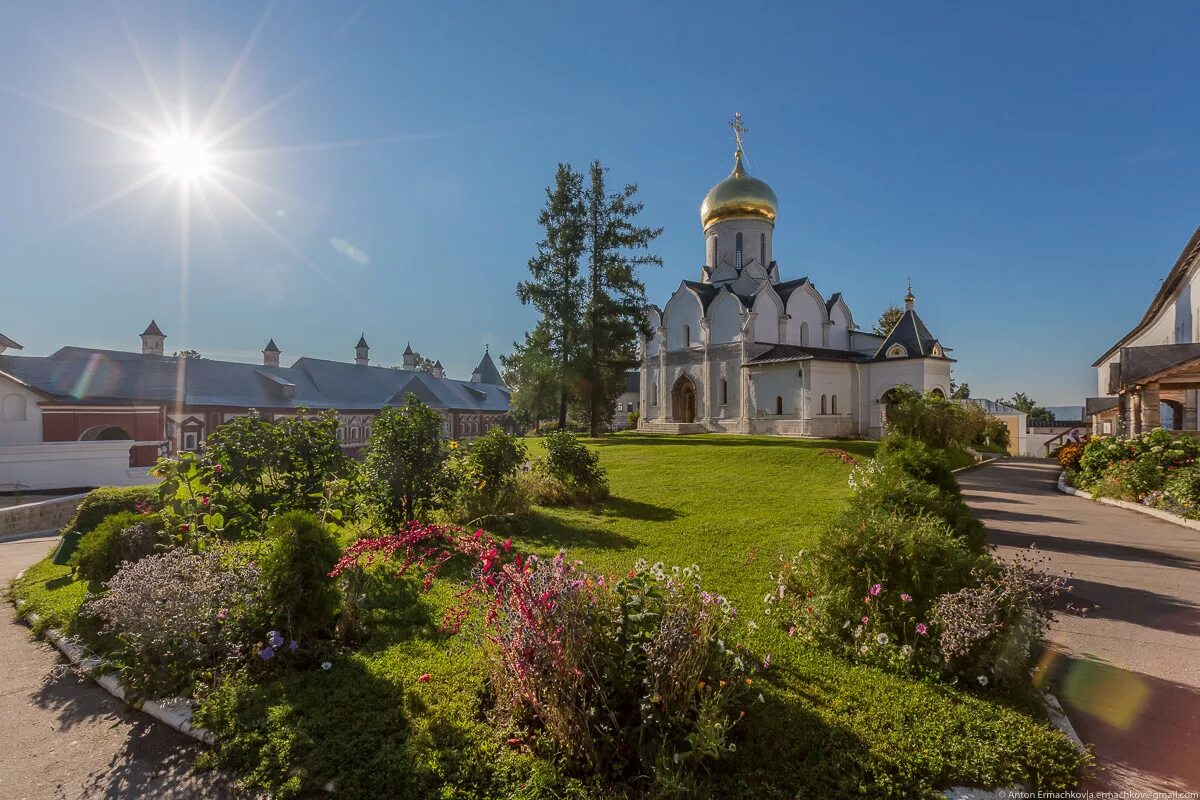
x=555 y=532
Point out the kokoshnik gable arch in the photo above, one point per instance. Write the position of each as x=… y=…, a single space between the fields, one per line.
x=743 y=351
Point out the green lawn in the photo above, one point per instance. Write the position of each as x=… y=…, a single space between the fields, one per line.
x=731 y=504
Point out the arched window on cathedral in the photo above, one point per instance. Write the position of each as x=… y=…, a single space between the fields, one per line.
x=687 y=336
x=737 y=254
x=778 y=404
x=833 y=405
x=762 y=249
x=803 y=334
x=716 y=250
x=824 y=406
x=724 y=391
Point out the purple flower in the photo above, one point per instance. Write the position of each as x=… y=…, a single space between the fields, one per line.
x=865 y=619
x=767 y=662
x=293 y=645
x=266 y=654
x=274 y=639
x=876 y=589
x=906 y=597
x=921 y=629
x=223 y=613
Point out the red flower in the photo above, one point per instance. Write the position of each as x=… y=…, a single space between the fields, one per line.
x=424 y=678
x=184 y=527
x=507 y=545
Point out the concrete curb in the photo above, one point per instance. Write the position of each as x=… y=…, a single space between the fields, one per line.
x=20 y=537
x=175 y=712
x=1166 y=516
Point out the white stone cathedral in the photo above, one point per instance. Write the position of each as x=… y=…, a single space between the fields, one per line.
x=741 y=351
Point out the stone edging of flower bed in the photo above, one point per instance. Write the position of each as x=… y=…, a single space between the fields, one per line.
x=175 y=712
x=1138 y=507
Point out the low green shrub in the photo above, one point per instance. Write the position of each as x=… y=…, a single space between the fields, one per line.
x=1130 y=480
x=1180 y=493
x=885 y=485
x=108 y=500
x=570 y=473
x=634 y=418
x=302 y=599
x=868 y=586
x=934 y=420
x=122 y=537
x=919 y=460
x=1160 y=449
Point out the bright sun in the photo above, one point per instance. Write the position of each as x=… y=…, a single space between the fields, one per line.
x=185 y=157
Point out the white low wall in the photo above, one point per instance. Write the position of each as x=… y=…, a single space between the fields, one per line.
x=67 y=465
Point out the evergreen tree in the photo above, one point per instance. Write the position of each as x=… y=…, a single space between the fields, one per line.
x=615 y=298
x=555 y=288
x=530 y=371
x=888 y=319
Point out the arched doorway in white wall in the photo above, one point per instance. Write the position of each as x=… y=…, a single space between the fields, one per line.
x=683 y=400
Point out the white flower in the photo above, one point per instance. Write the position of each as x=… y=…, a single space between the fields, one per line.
x=982 y=680
x=845 y=624
x=326 y=665
x=882 y=638
x=906 y=651
x=732 y=747
x=677 y=758
x=864 y=649
x=761 y=699
x=858 y=631
x=752 y=625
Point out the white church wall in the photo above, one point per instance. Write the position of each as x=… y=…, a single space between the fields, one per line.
x=766 y=319
x=807 y=312
x=20 y=415
x=651 y=407
x=839 y=331
x=726 y=405
x=782 y=382
x=682 y=320
x=725 y=319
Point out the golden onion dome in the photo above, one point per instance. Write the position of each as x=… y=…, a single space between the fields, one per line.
x=739 y=196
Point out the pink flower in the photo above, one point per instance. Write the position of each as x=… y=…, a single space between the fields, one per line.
x=217 y=468
x=865 y=619
x=876 y=589
x=921 y=629
x=424 y=678
x=906 y=597
x=792 y=631
x=203 y=499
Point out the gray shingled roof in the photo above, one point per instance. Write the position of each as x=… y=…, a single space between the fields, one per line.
x=910 y=333
x=7 y=342
x=111 y=376
x=784 y=353
x=1094 y=405
x=271 y=347
x=487 y=370
x=362 y=341
x=706 y=291
x=1142 y=362
x=153 y=330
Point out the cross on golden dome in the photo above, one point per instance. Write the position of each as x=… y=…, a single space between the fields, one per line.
x=739 y=129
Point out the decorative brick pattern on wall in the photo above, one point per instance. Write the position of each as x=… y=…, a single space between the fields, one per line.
x=42 y=515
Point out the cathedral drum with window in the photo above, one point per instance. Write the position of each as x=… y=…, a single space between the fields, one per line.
x=742 y=351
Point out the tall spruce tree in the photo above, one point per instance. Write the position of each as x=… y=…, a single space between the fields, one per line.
x=555 y=287
x=615 y=301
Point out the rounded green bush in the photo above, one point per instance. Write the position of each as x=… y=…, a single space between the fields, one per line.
x=303 y=600
x=920 y=461
x=121 y=537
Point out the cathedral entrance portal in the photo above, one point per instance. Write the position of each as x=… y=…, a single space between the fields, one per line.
x=683 y=400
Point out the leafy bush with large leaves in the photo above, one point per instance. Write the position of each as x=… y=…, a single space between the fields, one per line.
x=406 y=457
x=262 y=468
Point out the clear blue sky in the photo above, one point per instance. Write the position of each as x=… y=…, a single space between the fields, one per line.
x=1032 y=167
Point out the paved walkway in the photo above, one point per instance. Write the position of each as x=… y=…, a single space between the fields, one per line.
x=1125 y=658
x=63 y=737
